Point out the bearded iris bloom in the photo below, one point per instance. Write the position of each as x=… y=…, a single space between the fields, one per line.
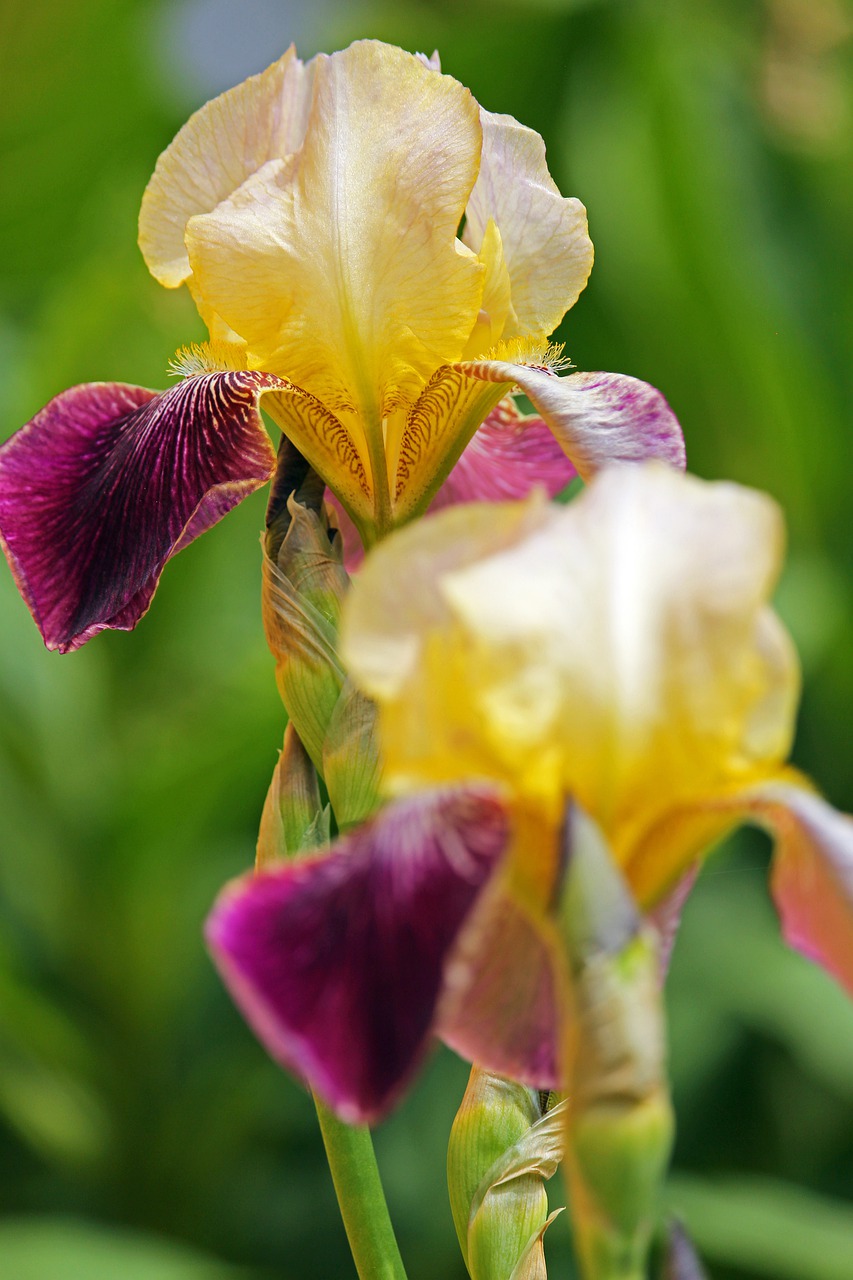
x=639 y=676
x=314 y=213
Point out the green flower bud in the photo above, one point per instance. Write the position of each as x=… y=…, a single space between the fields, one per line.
x=621 y=1123
x=302 y=594
x=351 y=765
x=503 y=1147
x=294 y=819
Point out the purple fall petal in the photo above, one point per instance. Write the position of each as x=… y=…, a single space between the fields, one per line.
x=507 y=458
x=337 y=962
x=500 y=1008
x=598 y=418
x=108 y=481
x=812 y=876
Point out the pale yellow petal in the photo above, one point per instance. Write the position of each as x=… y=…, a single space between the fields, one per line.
x=619 y=650
x=812 y=874
x=640 y=638
x=344 y=272
x=220 y=146
x=545 y=241
x=396 y=605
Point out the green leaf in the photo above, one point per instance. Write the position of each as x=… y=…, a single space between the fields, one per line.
x=772 y=1228
x=45 y=1249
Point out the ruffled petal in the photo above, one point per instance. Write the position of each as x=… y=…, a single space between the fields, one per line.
x=219 y=147
x=338 y=962
x=598 y=418
x=546 y=246
x=639 y=668
x=342 y=269
x=108 y=481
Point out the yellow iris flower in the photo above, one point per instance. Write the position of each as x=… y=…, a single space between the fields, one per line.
x=619 y=652
x=314 y=212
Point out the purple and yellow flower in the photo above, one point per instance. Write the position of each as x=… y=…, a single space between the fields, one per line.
x=314 y=213
x=616 y=657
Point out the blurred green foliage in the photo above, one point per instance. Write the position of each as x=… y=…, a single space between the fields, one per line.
x=142 y=1131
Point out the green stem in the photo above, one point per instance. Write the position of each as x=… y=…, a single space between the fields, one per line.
x=349 y=1150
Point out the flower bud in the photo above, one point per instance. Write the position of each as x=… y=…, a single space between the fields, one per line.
x=620 y=1122
x=304 y=587
x=351 y=763
x=294 y=819
x=503 y=1146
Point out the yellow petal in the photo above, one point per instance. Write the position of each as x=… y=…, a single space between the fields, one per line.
x=545 y=242
x=217 y=149
x=619 y=650
x=333 y=449
x=639 y=638
x=343 y=269
x=496 y=312
x=424 y=445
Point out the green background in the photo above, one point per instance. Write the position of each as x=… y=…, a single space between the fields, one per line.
x=143 y=1133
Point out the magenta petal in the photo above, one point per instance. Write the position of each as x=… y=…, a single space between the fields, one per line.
x=337 y=962
x=501 y=1005
x=812 y=877
x=598 y=418
x=108 y=481
x=507 y=458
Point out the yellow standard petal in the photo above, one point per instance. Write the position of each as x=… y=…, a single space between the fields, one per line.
x=546 y=246
x=343 y=269
x=218 y=148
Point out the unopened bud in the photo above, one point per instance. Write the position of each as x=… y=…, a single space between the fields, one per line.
x=294 y=819
x=621 y=1123
x=351 y=764
x=503 y=1147
x=301 y=634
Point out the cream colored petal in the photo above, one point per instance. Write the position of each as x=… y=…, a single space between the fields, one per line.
x=395 y=606
x=619 y=649
x=545 y=241
x=220 y=146
x=640 y=639
x=346 y=271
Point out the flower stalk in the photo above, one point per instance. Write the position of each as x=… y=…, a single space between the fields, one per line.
x=358 y=1187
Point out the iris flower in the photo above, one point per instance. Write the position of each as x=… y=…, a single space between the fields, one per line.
x=639 y=676
x=314 y=213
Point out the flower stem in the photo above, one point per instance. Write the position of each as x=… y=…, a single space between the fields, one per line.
x=349 y=1150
